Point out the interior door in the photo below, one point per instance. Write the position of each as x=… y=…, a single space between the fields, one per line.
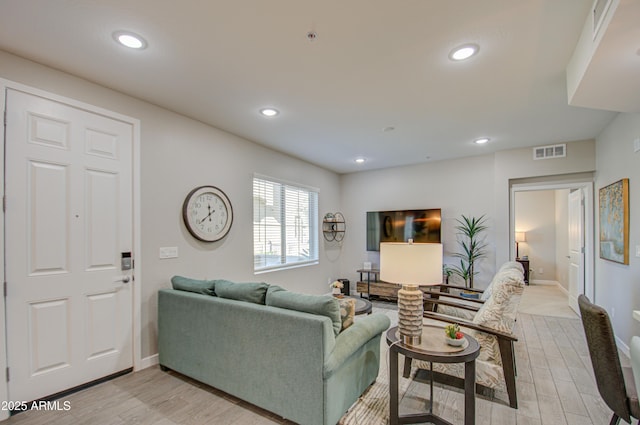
x=576 y=247
x=68 y=220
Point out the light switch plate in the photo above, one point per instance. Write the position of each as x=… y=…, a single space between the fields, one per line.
x=169 y=252
x=637 y=250
x=636 y=145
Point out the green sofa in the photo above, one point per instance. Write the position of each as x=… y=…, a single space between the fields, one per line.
x=286 y=361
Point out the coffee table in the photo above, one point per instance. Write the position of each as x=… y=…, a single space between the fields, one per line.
x=433 y=349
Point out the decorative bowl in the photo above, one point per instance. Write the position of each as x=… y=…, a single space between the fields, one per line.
x=454 y=342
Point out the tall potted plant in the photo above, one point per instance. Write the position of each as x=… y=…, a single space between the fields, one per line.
x=473 y=247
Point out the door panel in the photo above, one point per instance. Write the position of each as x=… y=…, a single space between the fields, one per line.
x=68 y=219
x=48 y=212
x=576 y=248
x=102 y=207
x=50 y=336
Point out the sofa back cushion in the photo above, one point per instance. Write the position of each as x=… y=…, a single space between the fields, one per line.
x=315 y=304
x=253 y=292
x=181 y=283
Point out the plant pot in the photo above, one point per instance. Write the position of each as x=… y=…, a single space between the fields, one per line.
x=454 y=342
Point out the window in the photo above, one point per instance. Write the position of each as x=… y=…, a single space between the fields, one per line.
x=285 y=229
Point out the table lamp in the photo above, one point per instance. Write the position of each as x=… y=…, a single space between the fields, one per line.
x=520 y=237
x=411 y=264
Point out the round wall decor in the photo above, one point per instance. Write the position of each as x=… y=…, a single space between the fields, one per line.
x=207 y=213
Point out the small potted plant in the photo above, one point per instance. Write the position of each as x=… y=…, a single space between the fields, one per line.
x=453 y=335
x=336 y=286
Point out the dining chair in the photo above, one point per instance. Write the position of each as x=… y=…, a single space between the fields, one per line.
x=615 y=383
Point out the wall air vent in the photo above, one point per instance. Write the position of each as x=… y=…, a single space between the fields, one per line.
x=551 y=151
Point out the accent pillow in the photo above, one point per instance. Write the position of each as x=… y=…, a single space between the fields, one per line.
x=253 y=292
x=315 y=304
x=206 y=287
x=347 y=312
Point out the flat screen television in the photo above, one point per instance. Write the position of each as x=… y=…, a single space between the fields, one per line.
x=423 y=226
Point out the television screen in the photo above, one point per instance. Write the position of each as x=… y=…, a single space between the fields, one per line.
x=423 y=226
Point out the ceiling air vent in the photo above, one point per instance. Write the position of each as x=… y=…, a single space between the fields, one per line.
x=551 y=151
x=600 y=8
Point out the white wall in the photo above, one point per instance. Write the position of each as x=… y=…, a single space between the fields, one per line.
x=618 y=285
x=535 y=214
x=518 y=164
x=178 y=154
x=462 y=186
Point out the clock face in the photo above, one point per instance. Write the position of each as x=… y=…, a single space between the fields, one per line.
x=207 y=213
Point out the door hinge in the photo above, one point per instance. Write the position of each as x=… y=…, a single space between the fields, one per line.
x=4 y=204
x=8 y=374
x=4 y=289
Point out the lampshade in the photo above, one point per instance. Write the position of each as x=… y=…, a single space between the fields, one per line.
x=411 y=265
x=521 y=237
x=417 y=263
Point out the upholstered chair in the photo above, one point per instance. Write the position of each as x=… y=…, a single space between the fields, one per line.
x=615 y=383
x=492 y=325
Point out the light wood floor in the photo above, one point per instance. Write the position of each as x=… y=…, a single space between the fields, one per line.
x=555 y=386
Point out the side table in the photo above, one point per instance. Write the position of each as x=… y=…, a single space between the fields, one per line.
x=432 y=349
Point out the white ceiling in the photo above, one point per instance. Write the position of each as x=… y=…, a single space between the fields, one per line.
x=374 y=64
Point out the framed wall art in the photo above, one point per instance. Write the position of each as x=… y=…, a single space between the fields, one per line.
x=614 y=222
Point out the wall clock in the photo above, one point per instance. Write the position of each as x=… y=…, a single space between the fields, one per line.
x=207 y=213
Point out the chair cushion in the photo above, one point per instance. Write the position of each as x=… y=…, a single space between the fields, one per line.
x=206 y=287
x=253 y=292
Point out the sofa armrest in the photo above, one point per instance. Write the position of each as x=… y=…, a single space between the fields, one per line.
x=500 y=335
x=463 y=288
x=437 y=294
x=351 y=339
x=440 y=301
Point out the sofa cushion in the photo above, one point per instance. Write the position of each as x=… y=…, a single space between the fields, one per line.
x=347 y=312
x=181 y=283
x=315 y=304
x=253 y=292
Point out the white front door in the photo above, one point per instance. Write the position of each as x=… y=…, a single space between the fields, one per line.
x=576 y=247
x=68 y=219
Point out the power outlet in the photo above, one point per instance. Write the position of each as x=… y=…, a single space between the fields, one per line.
x=169 y=252
x=637 y=250
x=540 y=270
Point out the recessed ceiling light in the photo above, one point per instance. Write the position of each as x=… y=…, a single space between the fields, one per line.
x=481 y=141
x=269 y=112
x=464 y=52
x=360 y=160
x=130 y=40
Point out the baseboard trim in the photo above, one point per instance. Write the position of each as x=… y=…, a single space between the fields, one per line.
x=624 y=348
x=544 y=282
x=563 y=289
x=149 y=361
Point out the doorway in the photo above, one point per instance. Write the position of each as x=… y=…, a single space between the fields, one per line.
x=558 y=227
x=71 y=219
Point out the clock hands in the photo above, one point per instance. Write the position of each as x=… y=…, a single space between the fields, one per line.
x=208 y=216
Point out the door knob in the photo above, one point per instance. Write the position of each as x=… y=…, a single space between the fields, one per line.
x=126 y=279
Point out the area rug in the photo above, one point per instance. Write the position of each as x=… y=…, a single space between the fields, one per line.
x=372 y=408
